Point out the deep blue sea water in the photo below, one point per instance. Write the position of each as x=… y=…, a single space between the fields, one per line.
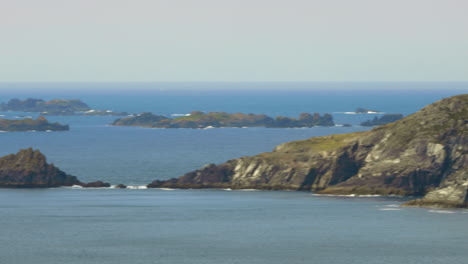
x=67 y=225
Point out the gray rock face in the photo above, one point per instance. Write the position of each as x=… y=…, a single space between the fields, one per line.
x=422 y=154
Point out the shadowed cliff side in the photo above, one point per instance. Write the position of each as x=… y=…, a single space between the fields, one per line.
x=424 y=153
x=29 y=169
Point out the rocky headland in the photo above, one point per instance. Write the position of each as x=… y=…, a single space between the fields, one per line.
x=29 y=169
x=198 y=119
x=424 y=154
x=28 y=124
x=383 y=120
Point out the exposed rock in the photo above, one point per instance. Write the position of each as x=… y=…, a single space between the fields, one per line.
x=361 y=110
x=143 y=119
x=121 y=186
x=383 y=120
x=422 y=154
x=28 y=124
x=198 y=119
x=29 y=169
x=39 y=105
x=96 y=184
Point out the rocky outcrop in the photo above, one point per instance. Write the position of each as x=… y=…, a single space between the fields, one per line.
x=29 y=169
x=28 y=124
x=383 y=120
x=199 y=119
x=39 y=105
x=422 y=154
x=143 y=119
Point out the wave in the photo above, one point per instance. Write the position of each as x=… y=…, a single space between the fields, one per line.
x=389 y=209
x=180 y=114
x=137 y=187
x=442 y=211
x=349 y=195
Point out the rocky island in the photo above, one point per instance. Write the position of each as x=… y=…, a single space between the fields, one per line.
x=29 y=169
x=198 y=119
x=383 y=120
x=424 y=154
x=28 y=124
x=55 y=107
x=39 y=105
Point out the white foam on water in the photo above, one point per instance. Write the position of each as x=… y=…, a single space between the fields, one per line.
x=76 y=187
x=392 y=205
x=389 y=209
x=137 y=187
x=442 y=211
x=227 y=189
x=180 y=115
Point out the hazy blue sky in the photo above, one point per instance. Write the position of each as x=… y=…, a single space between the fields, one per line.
x=233 y=40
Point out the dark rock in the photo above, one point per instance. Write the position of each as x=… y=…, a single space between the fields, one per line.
x=383 y=120
x=361 y=110
x=421 y=154
x=29 y=169
x=143 y=119
x=96 y=184
x=121 y=186
x=28 y=124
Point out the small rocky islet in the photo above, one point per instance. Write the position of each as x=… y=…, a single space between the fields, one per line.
x=198 y=119
x=29 y=124
x=29 y=169
x=55 y=107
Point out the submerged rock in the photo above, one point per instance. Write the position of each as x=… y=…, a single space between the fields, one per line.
x=422 y=154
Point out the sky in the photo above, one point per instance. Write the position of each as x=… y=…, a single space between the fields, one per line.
x=233 y=40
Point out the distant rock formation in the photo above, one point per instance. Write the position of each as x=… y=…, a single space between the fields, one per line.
x=199 y=119
x=361 y=110
x=29 y=169
x=422 y=154
x=28 y=124
x=383 y=120
x=39 y=105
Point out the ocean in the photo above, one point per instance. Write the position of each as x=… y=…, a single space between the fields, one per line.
x=70 y=225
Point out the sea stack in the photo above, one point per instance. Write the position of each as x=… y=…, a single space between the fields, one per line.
x=29 y=169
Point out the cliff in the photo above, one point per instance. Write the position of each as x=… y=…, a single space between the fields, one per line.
x=422 y=154
x=28 y=124
x=199 y=119
x=29 y=169
x=39 y=105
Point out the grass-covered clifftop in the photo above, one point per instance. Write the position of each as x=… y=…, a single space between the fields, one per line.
x=425 y=153
x=28 y=124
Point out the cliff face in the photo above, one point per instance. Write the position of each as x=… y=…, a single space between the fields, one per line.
x=29 y=169
x=422 y=154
